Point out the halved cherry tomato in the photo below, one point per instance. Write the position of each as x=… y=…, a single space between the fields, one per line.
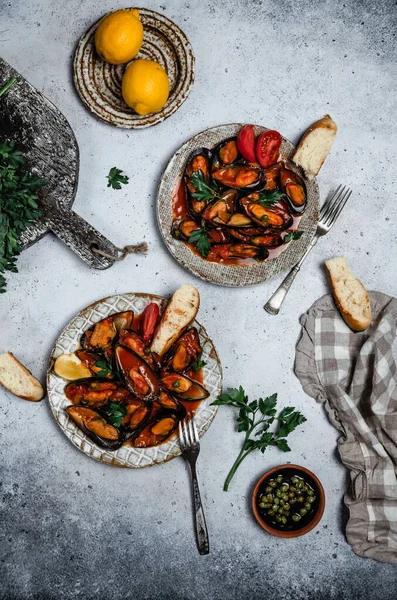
x=268 y=147
x=149 y=320
x=246 y=143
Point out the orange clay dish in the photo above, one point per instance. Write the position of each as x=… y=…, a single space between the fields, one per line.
x=133 y=396
x=232 y=210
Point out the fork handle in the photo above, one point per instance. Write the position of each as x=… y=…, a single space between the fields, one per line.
x=274 y=304
x=201 y=526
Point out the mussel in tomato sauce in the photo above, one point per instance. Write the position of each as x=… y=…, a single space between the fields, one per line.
x=123 y=320
x=137 y=375
x=272 y=175
x=160 y=428
x=95 y=362
x=100 y=336
x=131 y=340
x=183 y=387
x=240 y=176
x=222 y=212
x=183 y=228
x=274 y=217
x=95 y=392
x=226 y=251
x=225 y=153
x=293 y=186
x=184 y=352
x=95 y=426
x=168 y=402
x=199 y=161
x=267 y=240
x=137 y=414
x=218 y=235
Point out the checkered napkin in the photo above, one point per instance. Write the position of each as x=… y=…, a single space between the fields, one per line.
x=355 y=375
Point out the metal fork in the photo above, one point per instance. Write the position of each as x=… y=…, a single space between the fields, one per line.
x=330 y=211
x=190 y=446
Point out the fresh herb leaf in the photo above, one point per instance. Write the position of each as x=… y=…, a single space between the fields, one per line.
x=105 y=366
x=293 y=235
x=199 y=364
x=269 y=197
x=18 y=204
x=115 y=178
x=176 y=383
x=116 y=413
x=255 y=418
x=200 y=238
x=204 y=192
x=7 y=85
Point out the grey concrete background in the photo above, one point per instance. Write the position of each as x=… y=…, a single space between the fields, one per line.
x=73 y=528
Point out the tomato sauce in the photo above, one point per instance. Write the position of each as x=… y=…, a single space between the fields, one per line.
x=180 y=209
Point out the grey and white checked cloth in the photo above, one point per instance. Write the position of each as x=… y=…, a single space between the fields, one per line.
x=355 y=375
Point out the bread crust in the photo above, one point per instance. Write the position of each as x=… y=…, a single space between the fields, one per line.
x=300 y=156
x=35 y=382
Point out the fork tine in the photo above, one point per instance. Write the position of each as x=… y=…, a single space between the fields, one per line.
x=186 y=433
x=338 y=209
x=181 y=440
x=196 y=435
x=330 y=204
x=191 y=439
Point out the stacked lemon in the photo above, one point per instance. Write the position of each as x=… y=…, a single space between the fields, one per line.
x=118 y=39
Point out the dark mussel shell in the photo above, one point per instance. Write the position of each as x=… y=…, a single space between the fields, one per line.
x=160 y=428
x=90 y=358
x=183 y=228
x=95 y=392
x=245 y=234
x=130 y=339
x=226 y=251
x=272 y=175
x=200 y=160
x=183 y=387
x=276 y=217
x=241 y=176
x=136 y=374
x=123 y=320
x=223 y=212
x=102 y=334
x=225 y=153
x=267 y=240
x=96 y=427
x=136 y=418
x=168 y=402
x=295 y=191
x=218 y=235
x=184 y=352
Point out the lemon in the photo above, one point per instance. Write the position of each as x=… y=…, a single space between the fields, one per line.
x=119 y=36
x=145 y=86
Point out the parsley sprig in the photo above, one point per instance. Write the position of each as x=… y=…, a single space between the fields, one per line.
x=115 y=178
x=269 y=197
x=293 y=235
x=199 y=364
x=255 y=418
x=204 y=192
x=116 y=413
x=200 y=238
x=105 y=366
x=18 y=205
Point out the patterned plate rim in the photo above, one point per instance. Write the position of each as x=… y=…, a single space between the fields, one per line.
x=184 y=52
x=230 y=275
x=127 y=457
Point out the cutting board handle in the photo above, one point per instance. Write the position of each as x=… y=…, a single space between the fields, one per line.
x=80 y=236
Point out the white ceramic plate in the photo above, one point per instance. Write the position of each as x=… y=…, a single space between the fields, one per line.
x=69 y=341
x=231 y=275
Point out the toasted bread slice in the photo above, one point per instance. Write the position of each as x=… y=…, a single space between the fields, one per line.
x=350 y=295
x=70 y=367
x=180 y=312
x=18 y=380
x=315 y=145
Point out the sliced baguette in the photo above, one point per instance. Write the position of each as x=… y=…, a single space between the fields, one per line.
x=18 y=380
x=350 y=295
x=180 y=312
x=315 y=145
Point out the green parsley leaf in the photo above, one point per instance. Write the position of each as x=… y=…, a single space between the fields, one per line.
x=115 y=178
x=199 y=237
x=116 y=413
x=269 y=197
x=7 y=85
x=293 y=235
x=176 y=383
x=199 y=364
x=204 y=192
x=105 y=366
x=255 y=418
x=18 y=204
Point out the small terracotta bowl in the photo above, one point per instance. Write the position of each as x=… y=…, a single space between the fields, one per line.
x=306 y=526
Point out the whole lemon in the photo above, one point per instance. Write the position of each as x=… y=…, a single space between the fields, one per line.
x=119 y=36
x=145 y=86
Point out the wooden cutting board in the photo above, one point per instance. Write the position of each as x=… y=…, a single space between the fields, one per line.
x=43 y=134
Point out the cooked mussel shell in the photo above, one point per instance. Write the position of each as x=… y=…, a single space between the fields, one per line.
x=225 y=153
x=130 y=339
x=183 y=387
x=95 y=427
x=245 y=234
x=267 y=240
x=123 y=320
x=183 y=228
x=272 y=175
x=200 y=160
x=137 y=415
x=95 y=392
x=275 y=217
x=102 y=334
x=168 y=402
x=240 y=176
x=226 y=251
x=136 y=374
x=295 y=190
x=96 y=362
x=222 y=212
x=184 y=352
x=218 y=235
x=162 y=425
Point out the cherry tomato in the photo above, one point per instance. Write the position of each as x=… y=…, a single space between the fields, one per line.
x=267 y=148
x=149 y=321
x=246 y=143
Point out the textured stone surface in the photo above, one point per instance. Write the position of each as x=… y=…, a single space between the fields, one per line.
x=73 y=528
